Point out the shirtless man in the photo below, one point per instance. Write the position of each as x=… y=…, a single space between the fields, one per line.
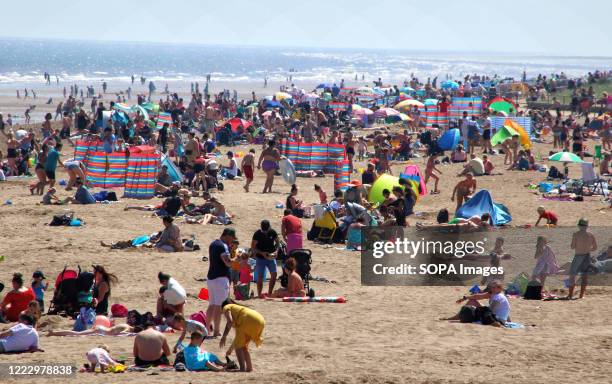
x=268 y=161
x=192 y=149
x=209 y=119
x=248 y=166
x=583 y=243
x=151 y=348
x=513 y=145
x=429 y=172
x=464 y=189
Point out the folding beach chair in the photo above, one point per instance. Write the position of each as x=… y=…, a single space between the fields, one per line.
x=590 y=181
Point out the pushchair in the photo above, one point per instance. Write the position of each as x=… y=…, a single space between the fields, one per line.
x=73 y=289
x=303 y=260
x=212 y=180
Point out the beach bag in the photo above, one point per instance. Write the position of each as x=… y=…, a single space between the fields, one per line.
x=119 y=310
x=242 y=291
x=199 y=317
x=533 y=291
x=60 y=220
x=467 y=314
x=485 y=315
x=85 y=319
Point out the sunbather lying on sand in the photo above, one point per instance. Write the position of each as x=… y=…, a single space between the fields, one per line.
x=115 y=330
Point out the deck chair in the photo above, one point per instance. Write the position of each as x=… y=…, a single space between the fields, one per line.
x=590 y=181
x=325 y=228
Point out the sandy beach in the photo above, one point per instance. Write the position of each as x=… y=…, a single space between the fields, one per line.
x=381 y=335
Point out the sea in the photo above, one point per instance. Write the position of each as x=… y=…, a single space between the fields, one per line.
x=25 y=61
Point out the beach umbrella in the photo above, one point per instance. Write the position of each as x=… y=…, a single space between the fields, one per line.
x=273 y=104
x=365 y=91
x=362 y=112
x=386 y=112
x=310 y=97
x=524 y=136
x=404 y=96
x=356 y=107
x=500 y=104
x=406 y=89
x=398 y=117
x=408 y=104
x=565 y=157
x=324 y=85
x=282 y=96
x=449 y=85
x=267 y=114
x=20 y=134
x=430 y=102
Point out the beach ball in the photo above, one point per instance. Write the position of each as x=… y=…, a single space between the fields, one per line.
x=102 y=321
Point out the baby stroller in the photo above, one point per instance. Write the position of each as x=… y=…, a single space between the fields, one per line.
x=73 y=289
x=303 y=260
x=212 y=180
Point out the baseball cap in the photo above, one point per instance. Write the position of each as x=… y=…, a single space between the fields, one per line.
x=583 y=222
x=38 y=274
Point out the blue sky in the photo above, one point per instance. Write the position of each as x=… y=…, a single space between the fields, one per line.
x=549 y=27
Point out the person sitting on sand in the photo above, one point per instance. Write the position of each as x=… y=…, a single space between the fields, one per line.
x=294 y=204
x=16 y=300
x=33 y=310
x=151 y=347
x=458 y=155
x=170 y=206
x=170 y=239
x=498 y=304
x=103 y=281
x=196 y=359
x=546 y=263
x=21 y=337
x=295 y=284
x=488 y=165
x=475 y=166
x=463 y=190
x=249 y=325
x=186 y=326
x=100 y=356
x=231 y=170
x=115 y=330
x=172 y=296
x=82 y=194
x=50 y=198
x=550 y=216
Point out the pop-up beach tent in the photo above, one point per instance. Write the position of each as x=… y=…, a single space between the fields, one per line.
x=482 y=202
x=173 y=171
x=449 y=140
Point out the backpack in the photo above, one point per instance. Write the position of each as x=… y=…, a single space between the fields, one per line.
x=60 y=220
x=467 y=314
x=485 y=315
x=533 y=291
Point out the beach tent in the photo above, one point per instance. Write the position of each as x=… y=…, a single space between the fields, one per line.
x=413 y=172
x=501 y=104
x=449 y=84
x=525 y=140
x=237 y=122
x=482 y=202
x=173 y=171
x=449 y=140
x=503 y=134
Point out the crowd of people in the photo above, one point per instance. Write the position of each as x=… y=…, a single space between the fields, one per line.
x=206 y=122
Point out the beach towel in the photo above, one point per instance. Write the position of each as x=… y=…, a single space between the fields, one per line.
x=316 y=299
x=482 y=202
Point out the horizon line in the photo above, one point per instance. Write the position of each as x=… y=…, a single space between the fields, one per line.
x=227 y=45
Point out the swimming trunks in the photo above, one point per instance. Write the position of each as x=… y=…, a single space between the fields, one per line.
x=248 y=172
x=163 y=360
x=580 y=264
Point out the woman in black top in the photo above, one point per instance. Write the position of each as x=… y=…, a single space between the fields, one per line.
x=102 y=288
x=293 y=203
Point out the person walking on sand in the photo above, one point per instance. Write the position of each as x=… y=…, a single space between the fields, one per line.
x=546 y=263
x=268 y=161
x=583 y=243
x=248 y=166
x=429 y=172
x=463 y=190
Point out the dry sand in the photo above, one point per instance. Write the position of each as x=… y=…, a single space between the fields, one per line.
x=381 y=335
